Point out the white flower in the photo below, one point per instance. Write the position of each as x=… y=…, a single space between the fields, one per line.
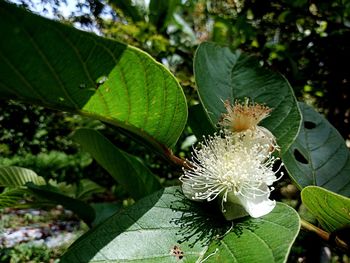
x=243 y=119
x=234 y=169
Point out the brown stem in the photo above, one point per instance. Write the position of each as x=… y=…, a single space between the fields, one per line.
x=174 y=159
x=310 y=227
x=325 y=235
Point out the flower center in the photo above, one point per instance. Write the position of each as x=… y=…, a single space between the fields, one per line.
x=241 y=117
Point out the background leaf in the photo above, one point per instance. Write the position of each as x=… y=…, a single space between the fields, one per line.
x=106 y=80
x=52 y=195
x=199 y=122
x=147 y=231
x=86 y=188
x=319 y=155
x=127 y=8
x=161 y=12
x=222 y=74
x=17 y=176
x=330 y=209
x=20 y=181
x=11 y=197
x=126 y=169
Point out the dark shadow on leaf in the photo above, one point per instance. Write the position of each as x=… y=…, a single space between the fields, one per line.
x=204 y=223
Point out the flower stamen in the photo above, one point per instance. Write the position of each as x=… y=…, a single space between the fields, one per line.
x=241 y=117
x=224 y=165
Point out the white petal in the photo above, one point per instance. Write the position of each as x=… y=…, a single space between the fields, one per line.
x=258 y=206
x=233 y=208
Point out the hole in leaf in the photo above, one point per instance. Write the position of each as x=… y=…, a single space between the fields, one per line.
x=177 y=252
x=309 y=125
x=299 y=157
x=101 y=80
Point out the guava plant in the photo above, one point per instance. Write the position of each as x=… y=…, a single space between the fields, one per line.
x=249 y=125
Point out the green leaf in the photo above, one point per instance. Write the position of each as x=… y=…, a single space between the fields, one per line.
x=199 y=122
x=331 y=210
x=86 y=188
x=222 y=74
x=127 y=8
x=57 y=66
x=126 y=169
x=54 y=196
x=13 y=176
x=149 y=230
x=161 y=11
x=104 y=210
x=63 y=188
x=319 y=155
x=265 y=239
x=11 y=197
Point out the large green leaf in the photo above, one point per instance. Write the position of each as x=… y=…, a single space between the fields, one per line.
x=57 y=66
x=267 y=239
x=104 y=211
x=13 y=176
x=319 y=155
x=330 y=209
x=149 y=230
x=126 y=169
x=222 y=74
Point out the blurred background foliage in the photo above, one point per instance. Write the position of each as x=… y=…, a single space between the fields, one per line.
x=307 y=41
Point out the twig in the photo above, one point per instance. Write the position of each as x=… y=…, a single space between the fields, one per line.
x=174 y=159
x=330 y=238
x=310 y=227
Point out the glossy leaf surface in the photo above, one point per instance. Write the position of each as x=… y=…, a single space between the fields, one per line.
x=57 y=66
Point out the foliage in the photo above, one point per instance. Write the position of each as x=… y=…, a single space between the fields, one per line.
x=331 y=210
x=319 y=155
x=21 y=181
x=136 y=96
x=223 y=75
x=56 y=227
x=52 y=165
x=195 y=226
x=27 y=252
x=297 y=38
